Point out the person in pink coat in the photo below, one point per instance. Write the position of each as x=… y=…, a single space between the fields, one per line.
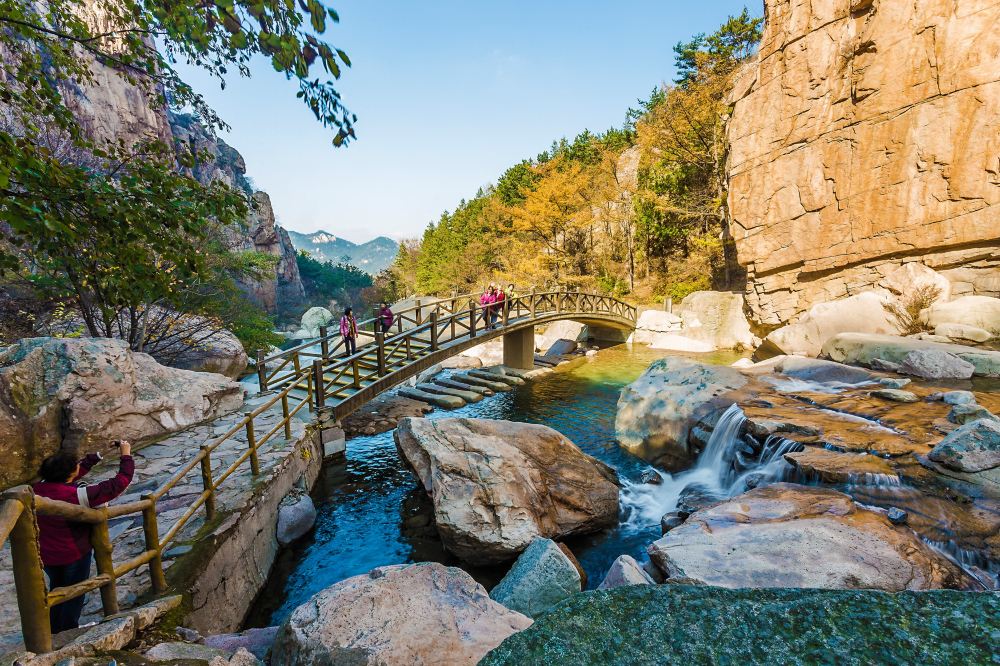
x=486 y=301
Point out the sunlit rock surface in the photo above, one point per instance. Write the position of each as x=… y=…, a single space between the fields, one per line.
x=864 y=137
x=497 y=485
x=410 y=614
x=786 y=535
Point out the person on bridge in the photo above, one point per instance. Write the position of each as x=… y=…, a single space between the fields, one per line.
x=385 y=316
x=499 y=303
x=487 y=300
x=349 y=332
x=65 y=545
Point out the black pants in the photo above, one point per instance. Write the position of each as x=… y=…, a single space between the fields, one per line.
x=386 y=327
x=349 y=347
x=67 y=614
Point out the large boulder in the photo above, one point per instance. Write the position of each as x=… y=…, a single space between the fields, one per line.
x=541 y=577
x=876 y=350
x=680 y=343
x=978 y=311
x=312 y=320
x=785 y=535
x=220 y=352
x=498 y=485
x=413 y=614
x=564 y=329
x=657 y=411
x=935 y=364
x=680 y=624
x=652 y=322
x=81 y=394
x=909 y=278
x=717 y=318
x=296 y=516
x=861 y=313
x=973 y=447
x=962 y=332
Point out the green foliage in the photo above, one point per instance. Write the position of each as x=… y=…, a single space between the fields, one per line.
x=515 y=182
x=324 y=281
x=114 y=230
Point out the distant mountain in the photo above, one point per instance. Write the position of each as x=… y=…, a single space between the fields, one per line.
x=372 y=257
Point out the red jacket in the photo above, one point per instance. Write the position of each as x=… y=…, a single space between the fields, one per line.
x=62 y=541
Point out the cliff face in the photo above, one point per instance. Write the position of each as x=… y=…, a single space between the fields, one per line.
x=867 y=135
x=112 y=109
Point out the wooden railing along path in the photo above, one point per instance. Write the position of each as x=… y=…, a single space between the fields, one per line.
x=301 y=378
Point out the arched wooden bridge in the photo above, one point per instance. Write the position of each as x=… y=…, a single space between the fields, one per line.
x=422 y=336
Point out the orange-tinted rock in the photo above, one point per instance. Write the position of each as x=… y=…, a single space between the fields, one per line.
x=863 y=138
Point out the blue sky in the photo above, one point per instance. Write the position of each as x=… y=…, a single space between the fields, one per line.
x=448 y=95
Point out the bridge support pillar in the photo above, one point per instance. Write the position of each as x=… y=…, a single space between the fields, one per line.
x=519 y=349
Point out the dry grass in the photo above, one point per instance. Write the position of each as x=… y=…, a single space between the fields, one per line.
x=906 y=313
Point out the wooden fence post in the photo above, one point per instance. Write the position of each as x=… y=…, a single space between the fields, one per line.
x=100 y=539
x=380 y=353
x=419 y=316
x=29 y=581
x=319 y=389
x=434 y=331
x=285 y=415
x=472 y=320
x=531 y=303
x=324 y=344
x=206 y=482
x=252 y=443
x=261 y=371
x=357 y=373
x=151 y=531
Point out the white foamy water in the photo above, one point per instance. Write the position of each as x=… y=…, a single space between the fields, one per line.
x=796 y=385
x=723 y=469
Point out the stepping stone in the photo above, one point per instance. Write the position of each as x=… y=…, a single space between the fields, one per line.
x=468 y=396
x=446 y=401
x=452 y=383
x=496 y=376
x=516 y=372
x=479 y=381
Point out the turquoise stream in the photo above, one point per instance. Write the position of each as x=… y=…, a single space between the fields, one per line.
x=372 y=513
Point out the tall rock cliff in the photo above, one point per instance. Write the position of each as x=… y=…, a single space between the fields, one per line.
x=867 y=135
x=111 y=108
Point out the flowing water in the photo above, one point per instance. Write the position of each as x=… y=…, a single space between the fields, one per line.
x=372 y=512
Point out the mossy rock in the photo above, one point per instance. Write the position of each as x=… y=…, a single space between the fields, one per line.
x=673 y=624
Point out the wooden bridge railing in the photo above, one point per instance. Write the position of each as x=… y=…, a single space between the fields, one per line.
x=306 y=380
x=449 y=321
x=19 y=506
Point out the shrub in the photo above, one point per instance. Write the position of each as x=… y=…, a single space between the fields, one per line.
x=906 y=313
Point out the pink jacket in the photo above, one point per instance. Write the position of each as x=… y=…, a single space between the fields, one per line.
x=348 y=327
x=487 y=299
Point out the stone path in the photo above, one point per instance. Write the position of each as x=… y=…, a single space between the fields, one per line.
x=154 y=465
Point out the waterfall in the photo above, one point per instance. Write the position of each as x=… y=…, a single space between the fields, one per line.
x=726 y=467
x=974 y=563
x=875 y=480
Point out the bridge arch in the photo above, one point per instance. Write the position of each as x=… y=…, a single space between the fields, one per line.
x=422 y=339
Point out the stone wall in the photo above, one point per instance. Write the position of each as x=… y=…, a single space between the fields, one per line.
x=866 y=135
x=243 y=549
